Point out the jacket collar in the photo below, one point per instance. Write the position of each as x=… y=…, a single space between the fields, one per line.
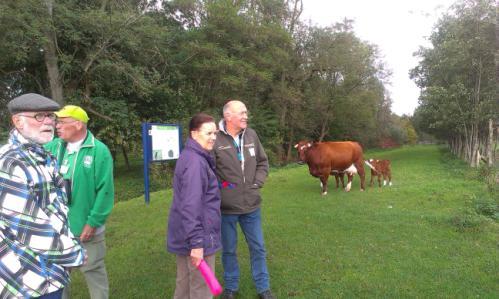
x=196 y=147
x=89 y=140
x=222 y=128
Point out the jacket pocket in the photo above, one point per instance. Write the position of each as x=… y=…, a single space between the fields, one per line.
x=252 y=198
x=232 y=199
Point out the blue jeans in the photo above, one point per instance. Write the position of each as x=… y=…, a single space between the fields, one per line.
x=251 y=225
x=54 y=295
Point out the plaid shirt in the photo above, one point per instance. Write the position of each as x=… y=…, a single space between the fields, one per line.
x=35 y=242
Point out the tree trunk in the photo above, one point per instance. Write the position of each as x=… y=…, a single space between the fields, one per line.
x=103 y=5
x=475 y=127
x=295 y=15
x=125 y=155
x=490 y=158
x=323 y=131
x=467 y=147
x=459 y=146
x=474 y=145
x=290 y=144
x=50 y=56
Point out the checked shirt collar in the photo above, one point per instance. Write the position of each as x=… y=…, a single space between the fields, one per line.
x=18 y=140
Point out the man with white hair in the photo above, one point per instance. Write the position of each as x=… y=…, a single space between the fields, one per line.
x=242 y=167
x=87 y=168
x=36 y=245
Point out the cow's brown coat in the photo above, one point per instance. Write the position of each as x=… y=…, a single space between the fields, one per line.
x=325 y=158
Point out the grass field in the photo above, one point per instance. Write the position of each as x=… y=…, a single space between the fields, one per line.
x=419 y=238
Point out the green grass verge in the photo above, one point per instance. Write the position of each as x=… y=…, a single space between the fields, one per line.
x=391 y=242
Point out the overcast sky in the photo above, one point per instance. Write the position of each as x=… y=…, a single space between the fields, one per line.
x=398 y=27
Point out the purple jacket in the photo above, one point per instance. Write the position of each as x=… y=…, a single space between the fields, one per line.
x=195 y=218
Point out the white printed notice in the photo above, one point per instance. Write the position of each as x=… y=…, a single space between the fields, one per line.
x=165 y=142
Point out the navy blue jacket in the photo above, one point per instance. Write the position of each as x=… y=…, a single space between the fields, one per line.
x=195 y=218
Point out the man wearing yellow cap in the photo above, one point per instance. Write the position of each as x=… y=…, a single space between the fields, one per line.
x=87 y=167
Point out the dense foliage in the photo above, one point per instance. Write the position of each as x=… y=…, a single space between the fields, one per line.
x=134 y=60
x=457 y=76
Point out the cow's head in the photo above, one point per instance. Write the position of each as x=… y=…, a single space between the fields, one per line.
x=302 y=148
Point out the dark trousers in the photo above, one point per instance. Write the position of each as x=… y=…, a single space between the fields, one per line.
x=54 y=295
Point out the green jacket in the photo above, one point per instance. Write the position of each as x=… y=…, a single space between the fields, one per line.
x=92 y=186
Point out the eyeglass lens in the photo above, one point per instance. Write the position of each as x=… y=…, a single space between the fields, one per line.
x=41 y=116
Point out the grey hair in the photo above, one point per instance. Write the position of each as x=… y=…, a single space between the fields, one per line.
x=227 y=106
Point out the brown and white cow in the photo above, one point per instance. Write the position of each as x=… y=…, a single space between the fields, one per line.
x=380 y=168
x=333 y=157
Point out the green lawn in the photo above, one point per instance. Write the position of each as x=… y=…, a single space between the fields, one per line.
x=403 y=241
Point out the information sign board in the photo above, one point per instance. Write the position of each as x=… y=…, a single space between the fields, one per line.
x=160 y=142
x=165 y=141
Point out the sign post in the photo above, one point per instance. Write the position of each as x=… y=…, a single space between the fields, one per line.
x=160 y=142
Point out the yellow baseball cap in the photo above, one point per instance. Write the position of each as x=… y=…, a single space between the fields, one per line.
x=73 y=111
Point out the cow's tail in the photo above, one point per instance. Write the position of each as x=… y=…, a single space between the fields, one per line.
x=370 y=165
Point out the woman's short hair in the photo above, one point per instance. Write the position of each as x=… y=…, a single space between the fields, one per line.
x=198 y=120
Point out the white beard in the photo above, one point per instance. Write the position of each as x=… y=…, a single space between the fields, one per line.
x=40 y=135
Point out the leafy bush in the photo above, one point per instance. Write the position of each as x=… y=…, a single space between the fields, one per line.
x=488 y=208
x=489 y=175
x=397 y=134
x=476 y=213
x=468 y=220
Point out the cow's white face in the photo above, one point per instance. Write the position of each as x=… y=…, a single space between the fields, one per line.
x=302 y=148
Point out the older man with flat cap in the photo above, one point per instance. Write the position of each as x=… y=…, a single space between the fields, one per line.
x=37 y=247
x=87 y=168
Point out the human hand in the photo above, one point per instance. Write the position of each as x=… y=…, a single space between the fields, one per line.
x=85 y=259
x=197 y=256
x=88 y=233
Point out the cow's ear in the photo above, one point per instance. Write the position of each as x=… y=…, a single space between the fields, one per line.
x=296 y=145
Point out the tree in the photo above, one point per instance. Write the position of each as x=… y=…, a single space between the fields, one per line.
x=344 y=76
x=131 y=61
x=457 y=77
x=112 y=58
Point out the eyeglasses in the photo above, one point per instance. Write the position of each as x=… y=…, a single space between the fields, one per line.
x=39 y=117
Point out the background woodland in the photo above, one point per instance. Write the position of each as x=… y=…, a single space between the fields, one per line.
x=131 y=61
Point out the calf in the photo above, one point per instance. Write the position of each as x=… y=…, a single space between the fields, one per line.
x=380 y=168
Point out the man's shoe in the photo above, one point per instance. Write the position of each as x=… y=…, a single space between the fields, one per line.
x=228 y=294
x=266 y=295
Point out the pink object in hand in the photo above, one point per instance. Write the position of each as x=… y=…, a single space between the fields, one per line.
x=210 y=278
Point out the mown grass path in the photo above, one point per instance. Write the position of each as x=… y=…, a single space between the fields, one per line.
x=393 y=242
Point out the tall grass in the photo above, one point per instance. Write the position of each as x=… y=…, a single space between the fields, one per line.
x=390 y=242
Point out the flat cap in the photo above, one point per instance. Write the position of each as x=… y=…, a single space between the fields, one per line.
x=31 y=102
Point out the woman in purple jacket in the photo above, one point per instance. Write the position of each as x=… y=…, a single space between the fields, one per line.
x=194 y=220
